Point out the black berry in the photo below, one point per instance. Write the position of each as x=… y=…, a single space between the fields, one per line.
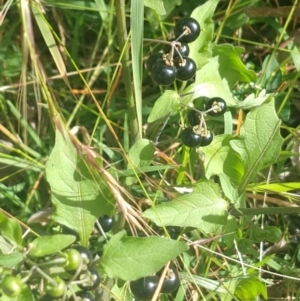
x=218 y=104
x=106 y=222
x=186 y=68
x=190 y=138
x=207 y=138
x=144 y=288
x=91 y=279
x=163 y=74
x=190 y=27
x=171 y=281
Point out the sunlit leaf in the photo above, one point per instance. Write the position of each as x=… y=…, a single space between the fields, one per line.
x=164 y=105
x=10 y=228
x=130 y=258
x=220 y=158
x=260 y=141
x=80 y=195
x=209 y=83
x=231 y=66
x=203 y=208
x=200 y=49
x=47 y=245
x=11 y=260
x=249 y=288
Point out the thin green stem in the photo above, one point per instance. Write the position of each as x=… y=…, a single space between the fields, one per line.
x=123 y=40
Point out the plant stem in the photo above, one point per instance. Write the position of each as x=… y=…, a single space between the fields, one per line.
x=123 y=40
x=177 y=43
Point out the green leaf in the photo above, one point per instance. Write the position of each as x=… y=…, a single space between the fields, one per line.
x=79 y=193
x=164 y=105
x=47 y=245
x=26 y=295
x=260 y=142
x=271 y=76
x=256 y=234
x=229 y=55
x=204 y=208
x=220 y=158
x=249 y=288
x=200 y=50
x=10 y=260
x=156 y=5
x=11 y=229
x=229 y=232
x=140 y=155
x=252 y=101
x=130 y=258
x=245 y=246
x=273 y=234
x=209 y=83
x=228 y=189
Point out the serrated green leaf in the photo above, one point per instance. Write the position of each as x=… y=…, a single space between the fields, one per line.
x=130 y=258
x=231 y=66
x=200 y=50
x=11 y=229
x=164 y=105
x=79 y=193
x=11 y=260
x=204 y=209
x=209 y=83
x=260 y=141
x=156 y=5
x=47 y=245
x=220 y=158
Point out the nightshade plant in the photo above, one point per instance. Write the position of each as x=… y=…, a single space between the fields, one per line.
x=176 y=182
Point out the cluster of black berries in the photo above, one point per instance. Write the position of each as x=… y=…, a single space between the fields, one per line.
x=144 y=288
x=197 y=134
x=174 y=62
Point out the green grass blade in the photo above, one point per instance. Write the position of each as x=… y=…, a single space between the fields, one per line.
x=49 y=40
x=137 y=30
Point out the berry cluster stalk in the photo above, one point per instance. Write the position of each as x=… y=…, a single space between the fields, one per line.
x=123 y=40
